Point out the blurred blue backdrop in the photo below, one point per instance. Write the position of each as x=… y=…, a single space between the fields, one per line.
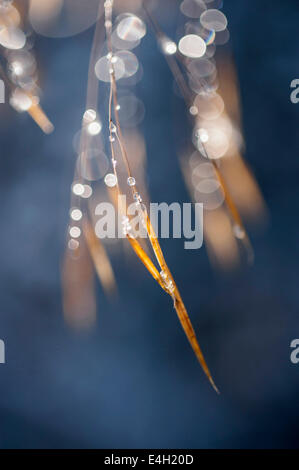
x=133 y=381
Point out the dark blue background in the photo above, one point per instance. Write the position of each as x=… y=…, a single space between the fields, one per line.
x=133 y=381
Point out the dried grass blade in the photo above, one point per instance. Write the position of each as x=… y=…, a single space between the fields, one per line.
x=235 y=215
x=190 y=333
x=179 y=304
x=99 y=256
x=144 y=258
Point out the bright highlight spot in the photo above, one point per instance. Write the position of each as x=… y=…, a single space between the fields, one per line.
x=76 y=214
x=89 y=115
x=78 y=189
x=110 y=180
x=75 y=232
x=131 y=28
x=214 y=20
x=192 y=46
x=94 y=128
x=168 y=47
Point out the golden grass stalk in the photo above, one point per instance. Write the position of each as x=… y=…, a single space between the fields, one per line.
x=164 y=278
x=95 y=248
x=41 y=119
x=79 y=303
x=173 y=291
x=100 y=258
x=35 y=111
